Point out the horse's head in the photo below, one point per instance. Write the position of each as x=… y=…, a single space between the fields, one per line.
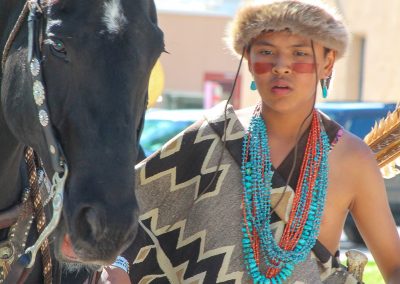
x=97 y=58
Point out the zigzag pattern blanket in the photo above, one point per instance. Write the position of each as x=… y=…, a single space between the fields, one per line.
x=190 y=232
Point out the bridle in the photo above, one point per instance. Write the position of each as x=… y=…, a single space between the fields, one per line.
x=58 y=162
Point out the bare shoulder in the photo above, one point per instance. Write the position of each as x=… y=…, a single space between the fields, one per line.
x=351 y=150
x=353 y=162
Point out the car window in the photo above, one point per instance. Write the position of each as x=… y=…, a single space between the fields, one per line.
x=158 y=131
x=361 y=125
x=161 y=126
x=358 y=121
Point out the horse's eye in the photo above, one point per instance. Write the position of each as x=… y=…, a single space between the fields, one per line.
x=58 y=47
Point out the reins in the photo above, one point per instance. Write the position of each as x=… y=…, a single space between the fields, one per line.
x=16 y=241
x=40 y=216
x=19 y=220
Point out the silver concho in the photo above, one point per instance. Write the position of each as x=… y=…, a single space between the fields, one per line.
x=38 y=93
x=43 y=118
x=52 y=149
x=35 y=67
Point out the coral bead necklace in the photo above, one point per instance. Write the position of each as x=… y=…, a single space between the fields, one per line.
x=267 y=261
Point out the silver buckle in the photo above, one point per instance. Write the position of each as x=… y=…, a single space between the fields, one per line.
x=6 y=259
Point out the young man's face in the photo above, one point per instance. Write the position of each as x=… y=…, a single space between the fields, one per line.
x=285 y=70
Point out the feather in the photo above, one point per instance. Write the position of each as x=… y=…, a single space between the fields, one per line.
x=384 y=141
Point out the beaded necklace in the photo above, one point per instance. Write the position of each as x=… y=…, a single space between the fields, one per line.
x=267 y=261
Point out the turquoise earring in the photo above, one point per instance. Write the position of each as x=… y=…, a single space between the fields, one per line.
x=325 y=86
x=253 y=86
x=324 y=91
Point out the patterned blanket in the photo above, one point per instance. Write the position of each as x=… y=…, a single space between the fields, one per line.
x=190 y=222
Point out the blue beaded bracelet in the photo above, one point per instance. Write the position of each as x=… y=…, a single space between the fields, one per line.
x=122 y=263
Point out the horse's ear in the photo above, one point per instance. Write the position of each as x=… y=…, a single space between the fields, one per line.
x=50 y=2
x=60 y=4
x=151 y=7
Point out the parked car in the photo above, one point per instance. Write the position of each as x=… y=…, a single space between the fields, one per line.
x=356 y=117
x=162 y=125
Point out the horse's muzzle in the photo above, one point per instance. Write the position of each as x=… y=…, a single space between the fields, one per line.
x=96 y=238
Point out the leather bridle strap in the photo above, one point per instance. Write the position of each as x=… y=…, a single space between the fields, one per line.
x=39 y=91
x=33 y=8
x=57 y=158
x=58 y=162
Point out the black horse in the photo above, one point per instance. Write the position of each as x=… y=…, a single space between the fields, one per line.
x=96 y=58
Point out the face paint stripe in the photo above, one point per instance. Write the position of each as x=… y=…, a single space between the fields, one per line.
x=262 y=68
x=303 y=67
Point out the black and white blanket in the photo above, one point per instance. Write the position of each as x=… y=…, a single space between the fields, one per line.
x=190 y=221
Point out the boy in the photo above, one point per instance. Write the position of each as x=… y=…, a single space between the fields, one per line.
x=261 y=195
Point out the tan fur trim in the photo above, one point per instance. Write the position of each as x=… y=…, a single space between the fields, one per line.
x=310 y=19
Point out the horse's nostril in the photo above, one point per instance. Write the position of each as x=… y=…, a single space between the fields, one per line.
x=90 y=224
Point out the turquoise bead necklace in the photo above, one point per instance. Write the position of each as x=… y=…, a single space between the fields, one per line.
x=267 y=261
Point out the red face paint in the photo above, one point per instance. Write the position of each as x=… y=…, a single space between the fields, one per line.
x=263 y=67
x=303 y=67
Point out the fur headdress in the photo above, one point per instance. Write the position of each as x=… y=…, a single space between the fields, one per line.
x=306 y=18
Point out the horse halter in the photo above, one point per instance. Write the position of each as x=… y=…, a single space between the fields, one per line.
x=58 y=161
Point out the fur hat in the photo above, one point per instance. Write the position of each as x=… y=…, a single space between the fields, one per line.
x=306 y=18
